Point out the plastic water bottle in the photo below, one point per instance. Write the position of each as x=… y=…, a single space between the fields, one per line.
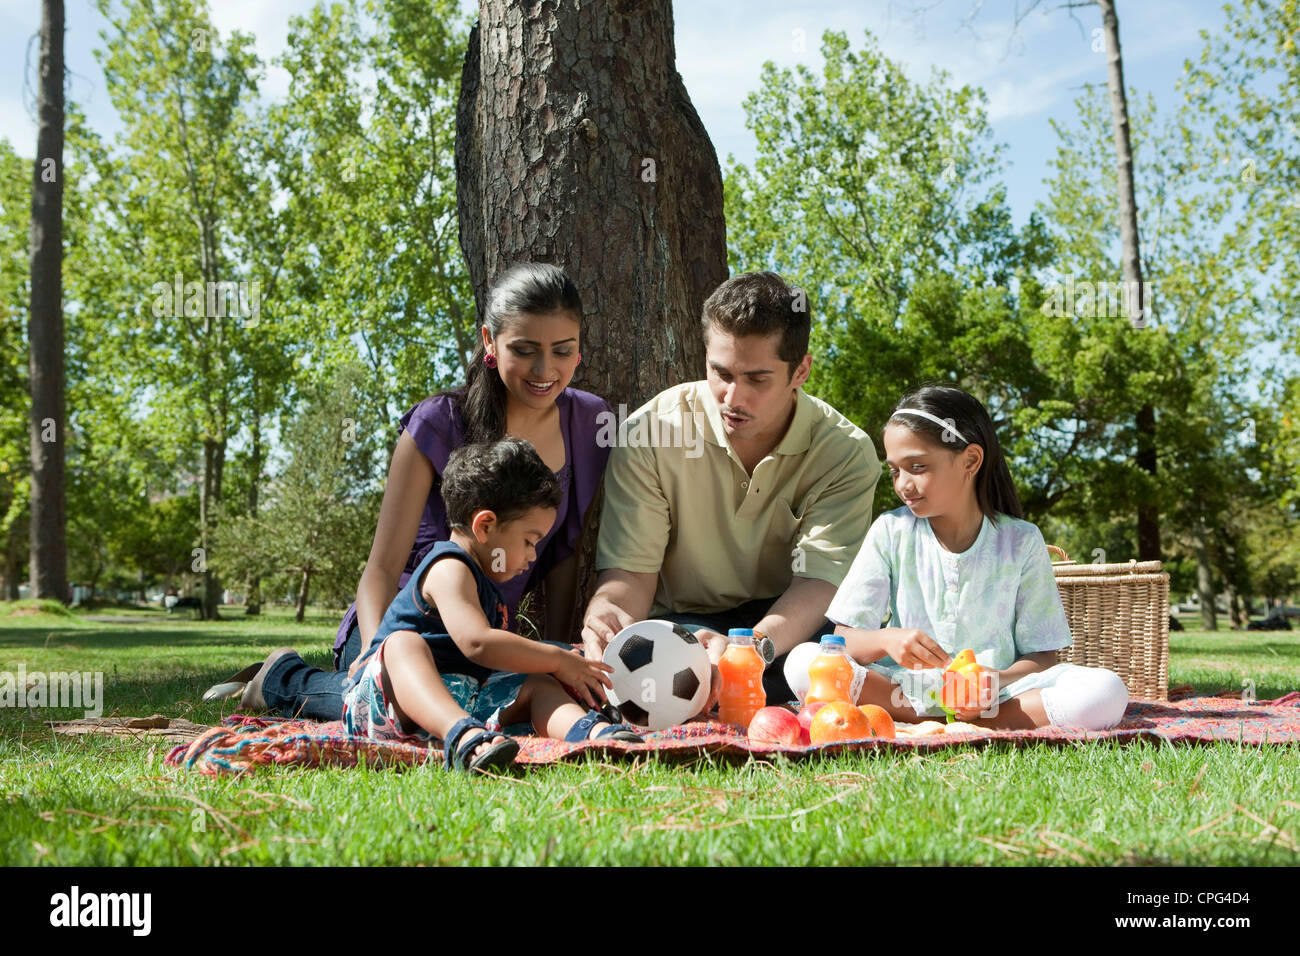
x=742 y=695
x=830 y=675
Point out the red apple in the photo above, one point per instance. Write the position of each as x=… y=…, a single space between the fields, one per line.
x=775 y=725
x=805 y=721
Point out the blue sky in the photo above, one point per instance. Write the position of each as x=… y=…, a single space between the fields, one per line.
x=1030 y=75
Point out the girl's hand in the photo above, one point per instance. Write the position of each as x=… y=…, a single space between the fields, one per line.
x=588 y=677
x=914 y=649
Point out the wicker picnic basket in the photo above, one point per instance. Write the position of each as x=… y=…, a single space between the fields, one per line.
x=1119 y=618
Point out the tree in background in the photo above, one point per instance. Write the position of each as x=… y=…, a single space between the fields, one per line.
x=874 y=194
x=369 y=134
x=320 y=510
x=577 y=144
x=1245 y=88
x=49 y=431
x=15 y=423
x=187 y=290
x=1196 y=355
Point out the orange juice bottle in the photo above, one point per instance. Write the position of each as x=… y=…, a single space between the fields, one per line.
x=742 y=695
x=830 y=675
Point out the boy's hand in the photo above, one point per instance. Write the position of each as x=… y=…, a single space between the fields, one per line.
x=588 y=677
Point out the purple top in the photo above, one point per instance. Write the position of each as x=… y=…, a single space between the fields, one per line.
x=438 y=430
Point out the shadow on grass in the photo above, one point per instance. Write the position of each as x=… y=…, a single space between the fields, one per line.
x=116 y=638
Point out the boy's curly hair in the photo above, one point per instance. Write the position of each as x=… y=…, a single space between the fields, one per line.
x=506 y=477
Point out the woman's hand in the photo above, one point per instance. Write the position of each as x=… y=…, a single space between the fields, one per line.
x=586 y=676
x=913 y=649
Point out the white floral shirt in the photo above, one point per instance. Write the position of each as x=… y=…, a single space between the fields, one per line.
x=998 y=597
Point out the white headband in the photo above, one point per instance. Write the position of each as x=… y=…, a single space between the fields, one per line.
x=946 y=426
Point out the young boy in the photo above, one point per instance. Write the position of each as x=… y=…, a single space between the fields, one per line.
x=442 y=663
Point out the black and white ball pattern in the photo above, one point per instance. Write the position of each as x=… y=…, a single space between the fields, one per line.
x=661 y=674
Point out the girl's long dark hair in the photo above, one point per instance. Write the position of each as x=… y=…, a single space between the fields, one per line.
x=533 y=288
x=994 y=489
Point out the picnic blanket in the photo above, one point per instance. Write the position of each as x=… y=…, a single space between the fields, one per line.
x=240 y=744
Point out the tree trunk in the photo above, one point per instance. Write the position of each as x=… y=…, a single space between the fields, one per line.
x=48 y=529
x=1204 y=579
x=1148 y=510
x=302 y=594
x=577 y=145
x=214 y=454
x=253 y=586
x=11 y=568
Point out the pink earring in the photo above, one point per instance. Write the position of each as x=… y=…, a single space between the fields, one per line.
x=579 y=358
x=490 y=360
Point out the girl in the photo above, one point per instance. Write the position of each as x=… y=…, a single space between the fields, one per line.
x=436 y=669
x=958 y=567
x=517 y=384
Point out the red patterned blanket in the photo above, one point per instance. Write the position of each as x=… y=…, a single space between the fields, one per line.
x=242 y=743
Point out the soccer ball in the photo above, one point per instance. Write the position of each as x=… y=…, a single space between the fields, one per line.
x=661 y=674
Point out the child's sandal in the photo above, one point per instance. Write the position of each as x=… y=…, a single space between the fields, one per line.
x=582 y=728
x=458 y=754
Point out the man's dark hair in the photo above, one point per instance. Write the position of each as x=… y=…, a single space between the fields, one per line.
x=507 y=477
x=761 y=303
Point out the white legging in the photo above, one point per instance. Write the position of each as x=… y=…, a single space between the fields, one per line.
x=1088 y=698
x=1091 y=698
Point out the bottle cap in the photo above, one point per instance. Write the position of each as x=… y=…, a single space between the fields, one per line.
x=740 y=637
x=832 y=640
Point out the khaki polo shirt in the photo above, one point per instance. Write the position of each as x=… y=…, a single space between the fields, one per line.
x=679 y=502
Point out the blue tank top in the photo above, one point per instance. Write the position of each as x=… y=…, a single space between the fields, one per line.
x=410 y=612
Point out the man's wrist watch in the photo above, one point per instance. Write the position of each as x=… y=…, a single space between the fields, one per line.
x=766 y=649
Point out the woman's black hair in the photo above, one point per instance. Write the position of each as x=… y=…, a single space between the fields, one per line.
x=506 y=477
x=532 y=288
x=994 y=489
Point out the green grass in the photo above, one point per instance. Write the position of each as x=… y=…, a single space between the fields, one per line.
x=108 y=802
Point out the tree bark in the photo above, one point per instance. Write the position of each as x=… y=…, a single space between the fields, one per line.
x=1205 y=579
x=13 y=560
x=253 y=585
x=1148 y=510
x=577 y=145
x=48 y=528
x=303 y=587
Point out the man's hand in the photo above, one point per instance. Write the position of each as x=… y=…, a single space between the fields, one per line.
x=715 y=688
x=602 y=623
x=714 y=643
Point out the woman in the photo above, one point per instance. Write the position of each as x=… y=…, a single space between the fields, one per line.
x=517 y=384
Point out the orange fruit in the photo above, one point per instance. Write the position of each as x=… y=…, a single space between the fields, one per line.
x=961 y=688
x=961 y=682
x=882 y=725
x=965 y=659
x=838 y=721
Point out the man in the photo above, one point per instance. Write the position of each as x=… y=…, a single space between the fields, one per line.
x=754 y=526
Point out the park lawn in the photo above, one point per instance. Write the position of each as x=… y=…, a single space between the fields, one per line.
x=110 y=802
